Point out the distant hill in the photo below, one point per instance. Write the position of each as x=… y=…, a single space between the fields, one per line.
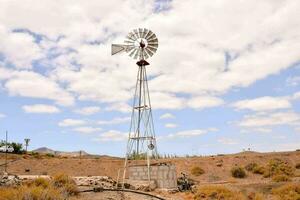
x=45 y=150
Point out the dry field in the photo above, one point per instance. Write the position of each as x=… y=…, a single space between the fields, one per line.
x=216 y=170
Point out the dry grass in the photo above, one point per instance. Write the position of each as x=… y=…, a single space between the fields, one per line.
x=217 y=193
x=280 y=178
x=287 y=192
x=197 y=171
x=59 y=188
x=278 y=167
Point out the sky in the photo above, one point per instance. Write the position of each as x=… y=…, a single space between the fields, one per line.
x=225 y=77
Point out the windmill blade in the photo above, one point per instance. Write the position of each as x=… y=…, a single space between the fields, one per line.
x=152 y=37
x=141 y=32
x=155 y=40
x=129 y=48
x=144 y=33
x=131 y=36
x=137 y=54
x=117 y=48
x=150 y=34
x=145 y=55
x=136 y=33
x=150 y=53
x=151 y=48
x=153 y=45
x=132 y=53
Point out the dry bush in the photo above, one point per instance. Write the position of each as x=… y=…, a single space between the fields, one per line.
x=250 y=166
x=238 y=172
x=297 y=166
x=66 y=183
x=197 y=171
x=61 y=187
x=255 y=196
x=217 y=193
x=280 y=178
x=259 y=170
x=287 y=192
x=278 y=167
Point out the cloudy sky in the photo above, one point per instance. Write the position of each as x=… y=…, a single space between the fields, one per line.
x=226 y=75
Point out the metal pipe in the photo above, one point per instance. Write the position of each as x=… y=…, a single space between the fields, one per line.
x=122 y=190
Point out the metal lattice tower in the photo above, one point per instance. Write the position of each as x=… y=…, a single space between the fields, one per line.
x=140 y=44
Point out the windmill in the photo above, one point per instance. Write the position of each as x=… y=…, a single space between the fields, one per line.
x=140 y=44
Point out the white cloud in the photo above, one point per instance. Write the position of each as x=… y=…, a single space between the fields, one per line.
x=227 y=141
x=71 y=122
x=18 y=48
x=201 y=102
x=254 y=50
x=119 y=107
x=163 y=100
x=185 y=134
x=2 y=115
x=88 y=110
x=40 y=108
x=270 y=119
x=86 y=129
x=118 y=120
x=34 y=85
x=112 y=135
x=266 y=103
x=167 y=116
x=257 y=130
x=293 y=81
x=171 y=125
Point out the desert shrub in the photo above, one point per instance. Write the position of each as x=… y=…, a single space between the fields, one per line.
x=61 y=187
x=297 y=166
x=41 y=182
x=31 y=193
x=217 y=193
x=287 y=192
x=238 y=172
x=50 y=155
x=278 y=167
x=259 y=170
x=255 y=196
x=197 y=171
x=66 y=183
x=249 y=167
x=280 y=178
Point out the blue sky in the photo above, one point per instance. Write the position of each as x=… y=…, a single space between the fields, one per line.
x=223 y=79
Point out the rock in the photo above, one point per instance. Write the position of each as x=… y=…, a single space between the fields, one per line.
x=141 y=185
x=102 y=181
x=9 y=180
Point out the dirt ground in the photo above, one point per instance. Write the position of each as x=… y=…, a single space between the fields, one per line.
x=215 y=173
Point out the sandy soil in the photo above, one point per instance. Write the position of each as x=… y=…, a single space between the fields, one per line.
x=215 y=173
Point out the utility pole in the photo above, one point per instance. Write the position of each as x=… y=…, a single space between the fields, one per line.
x=5 y=169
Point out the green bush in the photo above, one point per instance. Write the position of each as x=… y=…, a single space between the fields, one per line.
x=197 y=171
x=238 y=172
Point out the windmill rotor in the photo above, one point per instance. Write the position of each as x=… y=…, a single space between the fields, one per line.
x=140 y=44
